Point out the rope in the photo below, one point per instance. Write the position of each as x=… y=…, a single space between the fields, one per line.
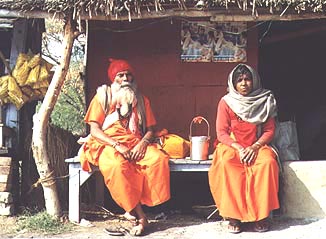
x=47 y=181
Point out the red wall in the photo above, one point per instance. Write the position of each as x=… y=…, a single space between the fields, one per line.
x=178 y=91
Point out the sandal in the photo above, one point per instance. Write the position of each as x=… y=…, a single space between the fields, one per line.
x=262 y=225
x=119 y=231
x=234 y=226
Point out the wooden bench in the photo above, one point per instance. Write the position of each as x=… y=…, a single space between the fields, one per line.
x=77 y=177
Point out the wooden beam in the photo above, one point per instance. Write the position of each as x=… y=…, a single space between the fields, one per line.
x=217 y=15
x=30 y=14
x=264 y=17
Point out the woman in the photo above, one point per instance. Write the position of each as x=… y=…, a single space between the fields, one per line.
x=243 y=177
x=135 y=171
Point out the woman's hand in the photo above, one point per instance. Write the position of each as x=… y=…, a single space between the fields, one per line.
x=248 y=155
x=138 y=152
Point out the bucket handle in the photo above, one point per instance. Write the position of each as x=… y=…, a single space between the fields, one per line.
x=198 y=120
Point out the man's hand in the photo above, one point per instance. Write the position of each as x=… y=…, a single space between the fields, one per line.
x=126 y=153
x=138 y=152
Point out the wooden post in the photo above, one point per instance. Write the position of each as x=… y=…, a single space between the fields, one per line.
x=41 y=120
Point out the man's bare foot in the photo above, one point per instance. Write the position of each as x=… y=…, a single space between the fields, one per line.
x=129 y=216
x=139 y=229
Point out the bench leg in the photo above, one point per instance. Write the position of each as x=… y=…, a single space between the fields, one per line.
x=99 y=189
x=74 y=192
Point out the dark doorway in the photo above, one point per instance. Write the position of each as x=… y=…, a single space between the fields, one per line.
x=292 y=64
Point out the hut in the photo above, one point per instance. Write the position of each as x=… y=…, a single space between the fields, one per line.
x=168 y=44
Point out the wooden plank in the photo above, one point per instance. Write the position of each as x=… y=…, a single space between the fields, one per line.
x=189 y=161
x=217 y=15
x=182 y=165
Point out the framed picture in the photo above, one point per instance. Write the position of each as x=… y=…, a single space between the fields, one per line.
x=213 y=42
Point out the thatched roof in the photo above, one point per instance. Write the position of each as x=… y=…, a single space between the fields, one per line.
x=133 y=9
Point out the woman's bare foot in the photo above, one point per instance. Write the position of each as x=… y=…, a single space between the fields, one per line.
x=262 y=225
x=139 y=229
x=234 y=226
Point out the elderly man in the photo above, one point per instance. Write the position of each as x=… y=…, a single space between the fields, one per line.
x=135 y=170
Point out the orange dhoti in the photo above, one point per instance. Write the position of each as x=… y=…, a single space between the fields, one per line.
x=146 y=181
x=247 y=193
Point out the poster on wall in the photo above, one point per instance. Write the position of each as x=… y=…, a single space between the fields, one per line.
x=213 y=42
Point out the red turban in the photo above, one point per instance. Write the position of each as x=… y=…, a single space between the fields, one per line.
x=118 y=65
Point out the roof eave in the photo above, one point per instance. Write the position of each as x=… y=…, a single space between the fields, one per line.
x=217 y=15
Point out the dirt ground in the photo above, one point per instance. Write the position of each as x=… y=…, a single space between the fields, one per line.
x=177 y=225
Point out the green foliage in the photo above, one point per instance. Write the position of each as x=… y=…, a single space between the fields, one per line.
x=41 y=222
x=69 y=110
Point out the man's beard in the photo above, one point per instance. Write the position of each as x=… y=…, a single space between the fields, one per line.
x=115 y=86
x=124 y=97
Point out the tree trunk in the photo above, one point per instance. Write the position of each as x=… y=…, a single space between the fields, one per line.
x=41 y=120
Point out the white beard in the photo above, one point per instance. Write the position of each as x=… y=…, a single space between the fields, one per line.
x=122 y=97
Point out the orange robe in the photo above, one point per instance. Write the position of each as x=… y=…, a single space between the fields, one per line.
x=146 y=181
x=247 y=193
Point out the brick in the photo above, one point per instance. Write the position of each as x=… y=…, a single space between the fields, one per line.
x=5 y=170
x=6 y=209
x=6 y=197
x=5 y=178
x=5 y=161
x=5 y=187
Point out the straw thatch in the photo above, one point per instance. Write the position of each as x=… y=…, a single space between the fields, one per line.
x=115 y=9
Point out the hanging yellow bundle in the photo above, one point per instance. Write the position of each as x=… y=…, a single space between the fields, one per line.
x=21 y=69
x=34 y=61
x=33 y=75
x=3 y=87
x=22 y=73
x=14 y=92
x=21 y=59
x=44 y=73
x=29 y=81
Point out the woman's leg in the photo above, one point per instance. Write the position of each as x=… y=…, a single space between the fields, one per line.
x=262 y=185
x=227 y=182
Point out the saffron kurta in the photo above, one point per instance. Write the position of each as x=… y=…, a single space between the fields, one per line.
x=146 y=181
x=247 y=193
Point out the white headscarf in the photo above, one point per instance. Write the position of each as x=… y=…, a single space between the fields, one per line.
x=255 y=107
